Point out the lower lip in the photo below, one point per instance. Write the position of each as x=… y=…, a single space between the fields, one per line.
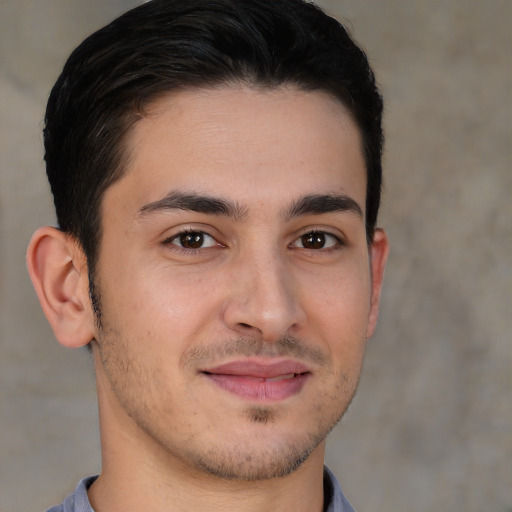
x=259 y=389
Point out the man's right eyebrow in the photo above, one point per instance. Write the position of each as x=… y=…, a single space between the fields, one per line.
x=195 y=202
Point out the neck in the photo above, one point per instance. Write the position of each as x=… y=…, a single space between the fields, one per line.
x=181 y=491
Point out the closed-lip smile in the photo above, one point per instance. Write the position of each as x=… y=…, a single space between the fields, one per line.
x=260 y=380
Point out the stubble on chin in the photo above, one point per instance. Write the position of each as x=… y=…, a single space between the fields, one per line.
x=256 y=465
x=261 y=415
x=274 y=458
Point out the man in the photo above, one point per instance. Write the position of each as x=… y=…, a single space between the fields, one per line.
x=216 y=172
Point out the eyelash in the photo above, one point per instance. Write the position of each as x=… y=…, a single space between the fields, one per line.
x=338 y=242
x=190 y=250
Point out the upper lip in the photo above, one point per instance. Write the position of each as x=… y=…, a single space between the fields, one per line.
x=261 y=369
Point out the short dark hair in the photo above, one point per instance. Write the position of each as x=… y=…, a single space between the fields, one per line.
x=166 y=45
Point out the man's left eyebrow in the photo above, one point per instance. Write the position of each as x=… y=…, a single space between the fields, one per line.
x=317 y=204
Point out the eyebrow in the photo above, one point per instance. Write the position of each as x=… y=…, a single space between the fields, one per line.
x=211 y=205
x=314 y=204
x=317 y=204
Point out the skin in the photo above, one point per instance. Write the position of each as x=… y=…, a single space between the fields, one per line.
x=264 y=281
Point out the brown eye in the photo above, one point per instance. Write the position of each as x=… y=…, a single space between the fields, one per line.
x=313 y=240
x=317 y=240
x=192 y=240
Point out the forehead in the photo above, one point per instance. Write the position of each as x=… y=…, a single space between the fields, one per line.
x=247 y=143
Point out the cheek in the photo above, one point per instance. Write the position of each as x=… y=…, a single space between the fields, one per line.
x=337 y=309
x=162 y=305
x=341 y=298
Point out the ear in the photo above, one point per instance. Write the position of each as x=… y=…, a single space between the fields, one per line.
x=58 y=269
x=379 y=250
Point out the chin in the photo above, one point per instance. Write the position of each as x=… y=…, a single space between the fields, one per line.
x=253 y=466
x=262 y=453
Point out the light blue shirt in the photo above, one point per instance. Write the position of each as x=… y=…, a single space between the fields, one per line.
x=79 y=502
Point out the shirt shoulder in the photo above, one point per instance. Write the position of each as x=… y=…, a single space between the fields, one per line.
x=335 y=500
x=78 y=501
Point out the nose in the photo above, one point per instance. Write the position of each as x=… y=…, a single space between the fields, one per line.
x=264 y=299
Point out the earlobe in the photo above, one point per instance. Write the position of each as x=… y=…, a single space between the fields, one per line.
x=379 y=251
x=58 y=270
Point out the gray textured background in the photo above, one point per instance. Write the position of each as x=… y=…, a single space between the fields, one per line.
x=431 y=427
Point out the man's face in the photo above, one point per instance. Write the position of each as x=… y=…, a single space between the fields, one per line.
x=235 y=279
